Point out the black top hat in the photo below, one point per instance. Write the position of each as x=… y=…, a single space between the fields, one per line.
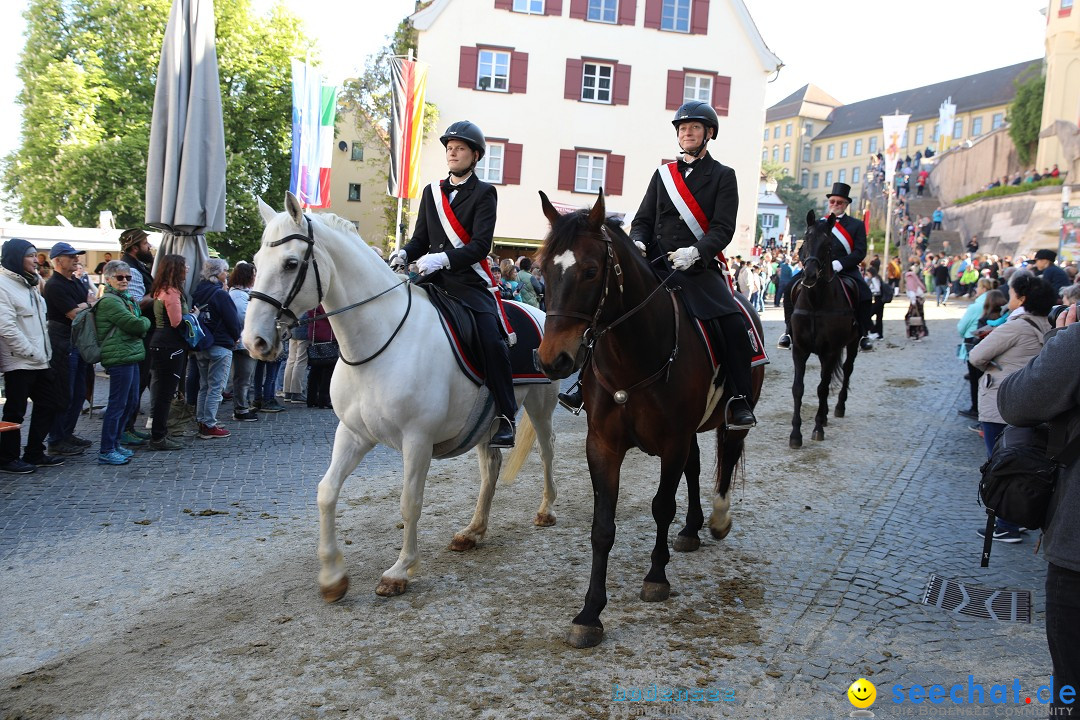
x=840 y=190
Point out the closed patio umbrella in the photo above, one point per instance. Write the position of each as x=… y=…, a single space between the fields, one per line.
x=185 y=170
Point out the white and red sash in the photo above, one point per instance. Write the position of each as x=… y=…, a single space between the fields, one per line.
x=459 y=238
x=842 y=235
x=690 y=211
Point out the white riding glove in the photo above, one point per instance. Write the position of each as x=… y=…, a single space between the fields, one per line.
x=640 y=246
x=836 y=266
x=398 y=258
x=432 y=263
x=683 y=258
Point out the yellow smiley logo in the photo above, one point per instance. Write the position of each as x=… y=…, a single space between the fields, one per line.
x=862 y=693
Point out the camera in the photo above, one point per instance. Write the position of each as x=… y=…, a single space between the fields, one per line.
x=1056 y=311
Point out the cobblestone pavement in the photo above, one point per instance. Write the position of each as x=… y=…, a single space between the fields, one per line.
x=183 y=585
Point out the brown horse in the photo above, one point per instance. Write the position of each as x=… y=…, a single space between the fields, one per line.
x=823 y=323
x=648 y=384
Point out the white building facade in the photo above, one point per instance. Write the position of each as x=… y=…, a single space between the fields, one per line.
x=575 y=95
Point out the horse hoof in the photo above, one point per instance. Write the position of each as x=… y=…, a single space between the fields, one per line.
x=335 y=591
x=461 y=543
x=390 y=588
x=686 y=543
x=818 y=435
x=544 y=519
x=584 y=636
x=721 y=533
x=795 y=443
x=839 y=412
x=655 y=592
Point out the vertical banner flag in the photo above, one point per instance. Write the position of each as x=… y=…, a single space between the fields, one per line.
x=946 y=120
x=894 y=128
x=313 y=111
x=408 y=80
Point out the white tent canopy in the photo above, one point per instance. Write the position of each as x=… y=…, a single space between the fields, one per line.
x=90 y=239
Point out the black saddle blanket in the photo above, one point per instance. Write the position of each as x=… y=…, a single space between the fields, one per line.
x=460 y=328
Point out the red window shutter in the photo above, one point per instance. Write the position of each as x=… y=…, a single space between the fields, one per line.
x=519 y=71
x=675 y=79
x=721 y=94
x=579 y=9
x=572 y=86
x=467 y=67
x=512 y=164
x=567 y=168
x=699 y=17
x=504 y=4
x=621 y=91
x=654 y=9
x=552 y=7
x=614 y=175
x=627 y=12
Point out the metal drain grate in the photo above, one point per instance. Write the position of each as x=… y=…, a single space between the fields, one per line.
x=978 y=601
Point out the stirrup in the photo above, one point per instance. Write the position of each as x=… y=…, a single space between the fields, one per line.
x=741 y=426
x=573 y=399
x=503 y=442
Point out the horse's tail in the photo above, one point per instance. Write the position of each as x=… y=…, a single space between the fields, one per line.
x=523 y=445
x=837 y=379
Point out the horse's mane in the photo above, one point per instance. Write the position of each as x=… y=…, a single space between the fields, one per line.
x=336 y=222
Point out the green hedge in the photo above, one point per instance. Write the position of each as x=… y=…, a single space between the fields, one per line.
x=1006 y=190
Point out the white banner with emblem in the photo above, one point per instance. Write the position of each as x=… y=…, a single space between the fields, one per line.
x=894 y=128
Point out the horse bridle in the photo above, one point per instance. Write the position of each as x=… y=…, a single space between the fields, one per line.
x=817 y=260
x=592 y=336
x=298 y=284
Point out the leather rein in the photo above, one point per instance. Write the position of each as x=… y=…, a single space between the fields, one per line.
x=594 y=333
x=298 y=283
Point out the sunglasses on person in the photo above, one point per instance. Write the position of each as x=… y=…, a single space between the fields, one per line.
x=122 y=278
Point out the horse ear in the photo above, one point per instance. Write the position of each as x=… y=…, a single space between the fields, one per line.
x=293 y=207
x=811 y=219
x=549 y=210
x=598 y=212
x=266 y=212
x=832 y=220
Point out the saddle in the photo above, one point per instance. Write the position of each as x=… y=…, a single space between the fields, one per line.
x=851 y=290
x=460 y=329
x=712 y=337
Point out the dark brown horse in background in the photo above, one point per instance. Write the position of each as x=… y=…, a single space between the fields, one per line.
x=823 y=323
x=647 y=385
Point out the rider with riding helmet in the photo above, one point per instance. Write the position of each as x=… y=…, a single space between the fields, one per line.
x=671 y=238
x=849 y=247
x=450 y=244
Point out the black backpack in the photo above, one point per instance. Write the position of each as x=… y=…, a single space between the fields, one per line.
x=1018 y=480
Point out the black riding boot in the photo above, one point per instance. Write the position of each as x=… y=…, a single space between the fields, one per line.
x=737 y=358
x=784 y=343
x=573 y=400
x=866 y=323
x=498 y=378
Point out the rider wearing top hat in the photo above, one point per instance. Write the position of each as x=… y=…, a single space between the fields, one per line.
x=849 y=249
x=456 y=264
x=689 y=246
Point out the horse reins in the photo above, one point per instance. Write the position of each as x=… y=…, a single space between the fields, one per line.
x=298 y=283
x=592 y=336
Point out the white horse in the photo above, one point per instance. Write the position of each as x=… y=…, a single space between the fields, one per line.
x=409 y=394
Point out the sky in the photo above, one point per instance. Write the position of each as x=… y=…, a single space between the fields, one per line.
x=855 y=50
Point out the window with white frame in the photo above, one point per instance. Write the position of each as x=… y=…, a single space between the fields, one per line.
x=828 y=179
x=919 y=135
x=806 y=152
x=675 y=15
x=354 y=192
x=589 y=174
x=815 y=182
x=958 y=128
x=764 y=154
x=357 y=151
x=830 y=152
x=776 y=132
x=976 y=127
x=854 y=174
x=603 y=11
x=596 y=82
x=842 y=175
x=1066 y=4
x=808 y=129
x=787 y=152
x=858 y=147
x=873 y=144
x=804 y=178
x=493 y=70
x=776 y=153
x=698 y=87
x=843 y=149
x=768 y=220
x=766 y=134
x=817 y=154
x=533 y=7
x=997 y=121
x=490 y=167
x=787 y=130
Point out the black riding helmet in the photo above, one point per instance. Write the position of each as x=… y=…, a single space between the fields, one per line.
x=702 y=112
x=468 y=133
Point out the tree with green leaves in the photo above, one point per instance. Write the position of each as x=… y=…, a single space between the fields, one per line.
x=1025 y=114
x=368 y=99
x=88 y=71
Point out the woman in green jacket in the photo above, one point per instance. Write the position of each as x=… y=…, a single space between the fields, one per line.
x=120 y=329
